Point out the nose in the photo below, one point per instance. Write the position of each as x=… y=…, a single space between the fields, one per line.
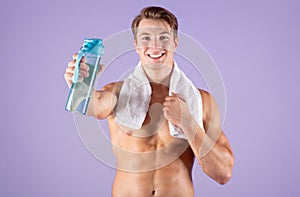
x=156 y=44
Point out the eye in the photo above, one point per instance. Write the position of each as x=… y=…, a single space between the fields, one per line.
x=164 y=38
x=146 y=38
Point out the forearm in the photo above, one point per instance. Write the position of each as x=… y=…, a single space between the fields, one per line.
x=213 y=156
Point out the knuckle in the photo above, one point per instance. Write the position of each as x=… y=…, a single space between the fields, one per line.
x=75 y=55
x=71 y=71
x=69 y=76
x=71 y=64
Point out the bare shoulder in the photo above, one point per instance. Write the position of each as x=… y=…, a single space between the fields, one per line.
x=113 y=87
x=104 y=100
x=206 y=97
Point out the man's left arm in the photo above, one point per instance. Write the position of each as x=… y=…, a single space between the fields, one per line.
x=211 y=148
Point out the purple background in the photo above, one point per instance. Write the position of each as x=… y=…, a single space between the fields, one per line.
x=255 y=44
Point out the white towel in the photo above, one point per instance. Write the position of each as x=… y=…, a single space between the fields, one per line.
x=135 y=95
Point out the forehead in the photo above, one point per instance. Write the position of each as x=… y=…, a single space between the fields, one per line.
x=153 y=26
x=154 y=23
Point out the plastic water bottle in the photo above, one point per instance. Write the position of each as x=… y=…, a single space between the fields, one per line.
x=80 y=91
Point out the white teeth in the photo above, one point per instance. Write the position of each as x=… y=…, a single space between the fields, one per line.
x=155 y=56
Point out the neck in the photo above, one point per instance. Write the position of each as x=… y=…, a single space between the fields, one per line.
x=161 y=75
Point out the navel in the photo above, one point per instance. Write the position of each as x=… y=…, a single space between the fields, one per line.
x=153 y=192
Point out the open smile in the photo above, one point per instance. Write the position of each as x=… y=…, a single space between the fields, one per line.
x=156 y=56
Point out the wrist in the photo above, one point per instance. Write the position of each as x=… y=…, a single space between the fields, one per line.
x=189 y=126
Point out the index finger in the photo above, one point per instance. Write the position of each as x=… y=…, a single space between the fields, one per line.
x=170 y=98
x=75 y=56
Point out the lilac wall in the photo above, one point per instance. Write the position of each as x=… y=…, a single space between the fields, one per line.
x=255 y=44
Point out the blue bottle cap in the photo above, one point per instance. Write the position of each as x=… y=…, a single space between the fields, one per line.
x=90 y=45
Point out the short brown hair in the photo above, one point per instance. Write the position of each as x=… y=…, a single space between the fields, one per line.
x=155 y=13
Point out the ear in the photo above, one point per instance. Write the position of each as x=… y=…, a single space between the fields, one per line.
x=175 y=42
x=135 y=45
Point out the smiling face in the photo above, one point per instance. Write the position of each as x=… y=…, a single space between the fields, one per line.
x=155 y=42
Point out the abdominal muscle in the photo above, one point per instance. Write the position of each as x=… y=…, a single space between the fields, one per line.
x=172 y=180
x=151 y=165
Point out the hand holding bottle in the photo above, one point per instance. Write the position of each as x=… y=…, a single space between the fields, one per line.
x=83 y=73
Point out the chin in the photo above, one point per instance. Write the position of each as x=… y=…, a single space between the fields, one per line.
x=156 y=66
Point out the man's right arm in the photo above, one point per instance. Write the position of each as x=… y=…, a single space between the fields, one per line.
x=102 y=102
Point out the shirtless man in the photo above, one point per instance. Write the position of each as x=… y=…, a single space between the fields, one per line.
x=150 y=175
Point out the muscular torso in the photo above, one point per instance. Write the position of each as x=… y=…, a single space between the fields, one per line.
x=150 y=161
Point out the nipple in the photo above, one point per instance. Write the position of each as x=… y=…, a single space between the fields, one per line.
x=129 y=133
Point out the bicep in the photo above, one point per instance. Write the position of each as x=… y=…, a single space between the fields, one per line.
x=211 y=121
x=211 y=116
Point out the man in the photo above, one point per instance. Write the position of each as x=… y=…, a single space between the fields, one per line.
x=150 y=161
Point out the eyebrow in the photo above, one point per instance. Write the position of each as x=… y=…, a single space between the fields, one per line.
x=142 y=34
x=147 y=34
x=165 y=32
